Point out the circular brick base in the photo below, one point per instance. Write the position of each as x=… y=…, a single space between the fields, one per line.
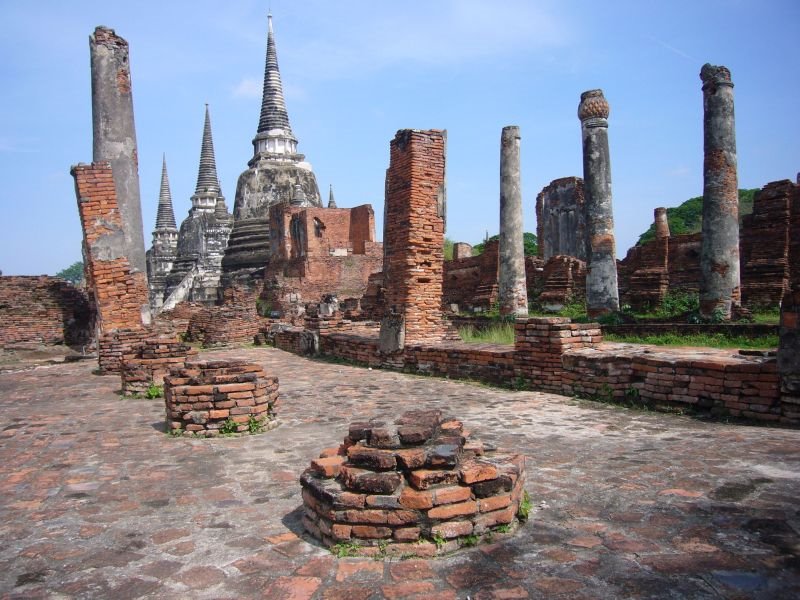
x=419 y=487
x=216 y=397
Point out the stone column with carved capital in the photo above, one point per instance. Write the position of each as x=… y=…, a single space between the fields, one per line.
x=719 y=255
x=602 y=294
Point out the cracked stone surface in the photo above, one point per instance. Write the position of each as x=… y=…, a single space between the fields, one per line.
x=97 y=502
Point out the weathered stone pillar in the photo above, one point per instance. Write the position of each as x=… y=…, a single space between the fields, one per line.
x=661 y=223
x=115 y=134
x=719 y=254
x=513 y=291
x=602 y=294
x=461 y=250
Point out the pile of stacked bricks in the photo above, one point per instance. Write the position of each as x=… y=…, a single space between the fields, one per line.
x=208 y=398
x=539 y=344
x=150 y=361
x=419 y=487
x=114 y=345
x=222 y=325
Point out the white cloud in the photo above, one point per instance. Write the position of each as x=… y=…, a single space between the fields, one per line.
x=434 y=34
x=248 y=87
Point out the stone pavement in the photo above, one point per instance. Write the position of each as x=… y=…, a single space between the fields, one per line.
x=97 y=502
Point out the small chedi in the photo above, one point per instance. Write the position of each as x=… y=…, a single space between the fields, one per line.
x=212 y=397
x=418 y=487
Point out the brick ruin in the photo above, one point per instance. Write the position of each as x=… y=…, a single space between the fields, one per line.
x=419 y=487
x=209 y=398
x=561 y=219
x=413 y=240
x=552 y=354
x=149 y=362
x=318 y=251
x=764 y=251
x=43 y=311
x=119 y=295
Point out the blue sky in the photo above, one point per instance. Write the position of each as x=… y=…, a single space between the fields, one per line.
x=354 y=72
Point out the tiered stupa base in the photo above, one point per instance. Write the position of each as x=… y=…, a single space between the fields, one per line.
x=419 y=488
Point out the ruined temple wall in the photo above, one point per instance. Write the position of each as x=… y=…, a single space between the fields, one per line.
x=43 y=310
x=362 y=229
x=120 y=295
x=472 y=281
x=561 y=219
x=764 y=241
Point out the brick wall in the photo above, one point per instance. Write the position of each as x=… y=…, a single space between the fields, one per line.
x=413 y=234
x=119 y=295
x=319 y=251
x=471 y=282
x=789 y=348
x=43 y=310
x=764 y=246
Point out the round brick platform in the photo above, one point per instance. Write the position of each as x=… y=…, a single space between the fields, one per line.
x=212 y=397
x=149 y=362
x=419 y=487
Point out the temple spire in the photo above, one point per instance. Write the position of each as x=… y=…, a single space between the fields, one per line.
x=207 y=180
x=274 y=135
x=331 y=199
x=165 y=217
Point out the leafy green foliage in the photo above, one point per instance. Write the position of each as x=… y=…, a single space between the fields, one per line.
x=525 y=506
x=529 y=241
x=228 y=427
x=154 y=391
x=448 y=248
x=73 y=273
x=254 y=425
x=439 y=540
x=688 y=217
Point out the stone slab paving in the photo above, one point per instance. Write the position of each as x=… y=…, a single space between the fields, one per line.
x=97 y=502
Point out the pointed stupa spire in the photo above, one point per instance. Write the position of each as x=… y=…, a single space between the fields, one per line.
x=331 y=199
x=207 y=180
x=165 y=217
x=274 y=135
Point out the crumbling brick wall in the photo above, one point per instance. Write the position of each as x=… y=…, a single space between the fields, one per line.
x=120 y=296
x=43 y=310
x=764 y=246
x=319 y=251
x=789 y=348
x=471 y=282
x=414 y=233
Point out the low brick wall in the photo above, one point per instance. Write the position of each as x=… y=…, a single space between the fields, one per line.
x=150 y=362
x=552 y=354
x=209 y=398
x=115 y=344
x=418 y=487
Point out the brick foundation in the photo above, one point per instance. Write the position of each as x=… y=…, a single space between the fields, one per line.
x=206 y=397
x=418 y=486
x=150 y=361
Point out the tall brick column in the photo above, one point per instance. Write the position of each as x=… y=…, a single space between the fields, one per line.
x=120 y=296
x=413 y=239
x=115 y=134
x=513 y=290
x=661 y=223
x=719 y=254
x=602 y=293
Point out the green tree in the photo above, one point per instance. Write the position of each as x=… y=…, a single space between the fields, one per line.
x=688 y=217
x=529 y=242
x=73 y=273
